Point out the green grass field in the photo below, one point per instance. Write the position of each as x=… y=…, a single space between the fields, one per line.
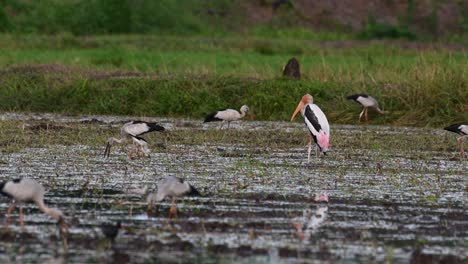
x=191 y=76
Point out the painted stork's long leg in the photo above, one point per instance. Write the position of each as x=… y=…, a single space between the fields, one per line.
x=173 y=210
x=130 y=154
x=21 y=219
x=11 y=208
x=360 y=115
x=367 y=118
x=310 y=148
x=142 y=151
x=138 y=151
x=316 y=151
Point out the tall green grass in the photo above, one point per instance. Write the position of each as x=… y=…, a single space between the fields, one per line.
x=434 y=100
x=189 y=77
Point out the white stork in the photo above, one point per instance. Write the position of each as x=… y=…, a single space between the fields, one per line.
x=27 y=190
x=367 y=102
x=316 y=123
x=462 y=130
x=173 y=187
x=228 y=115
x=133 y=130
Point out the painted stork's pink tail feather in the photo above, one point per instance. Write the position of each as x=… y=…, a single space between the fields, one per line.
x=323 y=141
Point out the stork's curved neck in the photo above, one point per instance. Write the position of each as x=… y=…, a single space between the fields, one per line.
x=242 y=113
x=54 y=213
x=113 y=140
x=381 y=111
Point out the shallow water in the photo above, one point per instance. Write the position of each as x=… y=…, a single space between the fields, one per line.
x=385 y=205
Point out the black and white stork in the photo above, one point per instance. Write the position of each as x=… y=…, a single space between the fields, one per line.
x=462 y=130
x=227 y=115
x=316 y=122
x=133 y=130
x=173 y=187
x=367 y=102
x=29 y=190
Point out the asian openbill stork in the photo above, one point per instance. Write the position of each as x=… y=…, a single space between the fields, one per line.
x=367 y=102
x=133 y=130
x=462 y=130
x=316 y=122
x=227 y=115
x=173 y=187
x=29 y=190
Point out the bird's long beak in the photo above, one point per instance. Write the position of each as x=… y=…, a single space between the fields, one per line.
x=298 y=108
x=107 y=151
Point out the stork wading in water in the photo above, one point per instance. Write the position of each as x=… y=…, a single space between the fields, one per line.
x=367 y=102
x=29 y=190
x=173 y=187
x=462 y=130
x=316 y=122
x=227 y=115
x=133 y=130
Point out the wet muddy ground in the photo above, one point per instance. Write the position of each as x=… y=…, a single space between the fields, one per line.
x=395 y=194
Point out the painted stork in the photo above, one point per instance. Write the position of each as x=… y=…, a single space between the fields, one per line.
x=111 y=230
x=367 y=102
x=227 y=115
x=29 y=190
x=173 y=187
x=462 y=130
x=316 y=122
x=133 y=130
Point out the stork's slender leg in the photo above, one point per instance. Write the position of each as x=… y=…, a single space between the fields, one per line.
x=360 y=115
x=310 y=148
x=138 y=151
x=21 y=219
x=367 y=118
x=460 y=141
x=316 y=151
x=229 y=123
x=142 y=151
x=11 y=208
x=130 y=154
x=173 y=210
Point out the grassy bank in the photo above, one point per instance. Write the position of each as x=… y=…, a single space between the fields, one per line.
x=189 y=77
x=427 y=103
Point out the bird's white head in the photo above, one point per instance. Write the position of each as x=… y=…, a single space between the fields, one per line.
x=306 y=99
x=244 y=109
x=55 y=214
x=60 y=217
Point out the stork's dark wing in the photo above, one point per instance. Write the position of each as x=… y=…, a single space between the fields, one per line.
x=356 y=96
x=457 y=128
x=310 y=117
